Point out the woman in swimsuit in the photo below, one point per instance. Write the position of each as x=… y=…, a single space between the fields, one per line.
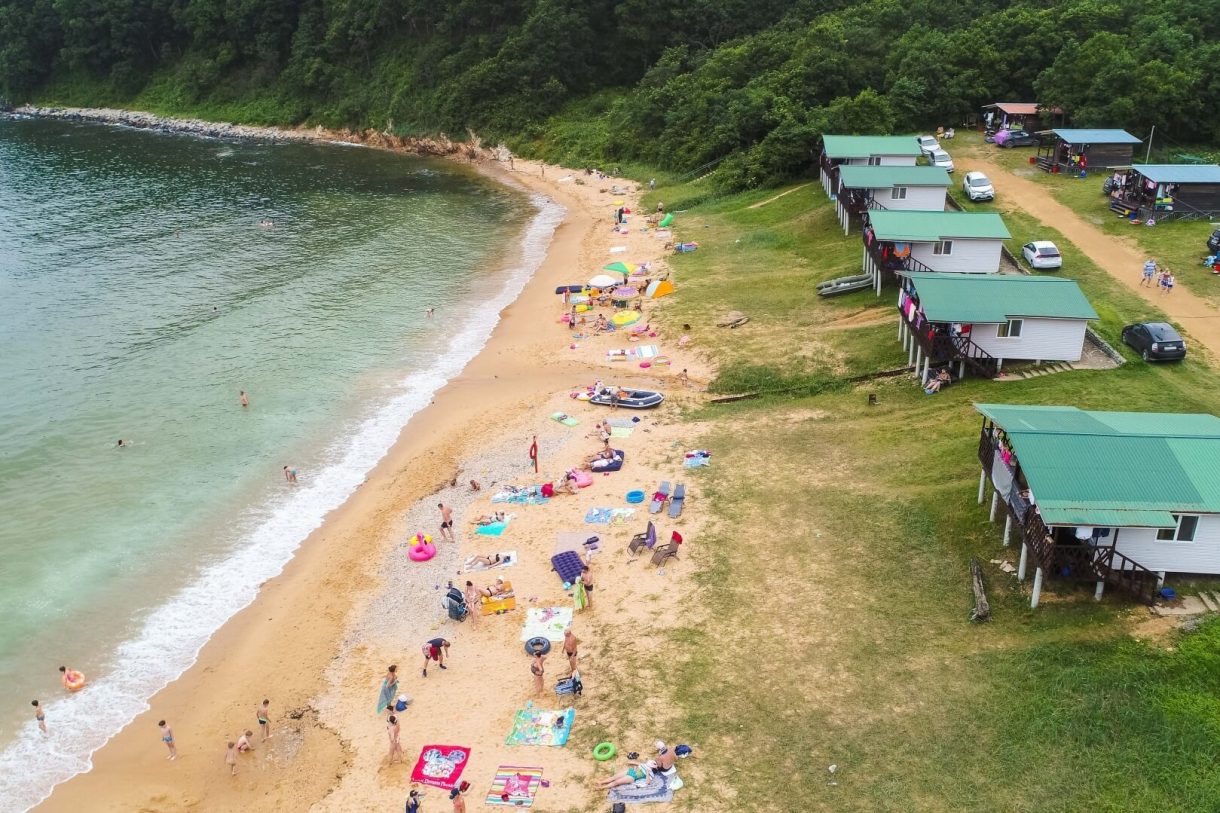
x=264 y=718
x=635 y=773
x=392 y=729
x=537 y=671
x=40 y=717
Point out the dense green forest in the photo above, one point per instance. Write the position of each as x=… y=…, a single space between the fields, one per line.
x=674 y=84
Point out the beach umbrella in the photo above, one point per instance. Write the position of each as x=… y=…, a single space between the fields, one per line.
x=626 y=292
x=624 y=318
x=603 y=281
x=626 y=269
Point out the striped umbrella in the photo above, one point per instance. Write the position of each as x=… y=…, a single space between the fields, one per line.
x=626 y=269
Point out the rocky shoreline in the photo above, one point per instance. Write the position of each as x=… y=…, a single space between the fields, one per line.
x=440 y=145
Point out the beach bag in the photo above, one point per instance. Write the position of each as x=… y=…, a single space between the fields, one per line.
x=548 y=490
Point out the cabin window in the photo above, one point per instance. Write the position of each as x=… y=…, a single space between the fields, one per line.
x=898 y=193
x=942 y=247
x=874 y=160
x=1183 y=532
x=1010 y=329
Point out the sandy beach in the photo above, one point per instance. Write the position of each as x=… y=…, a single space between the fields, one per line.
x=319 y=637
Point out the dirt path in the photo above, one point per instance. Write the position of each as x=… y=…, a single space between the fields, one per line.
x=777 y=197
x=1117 y=256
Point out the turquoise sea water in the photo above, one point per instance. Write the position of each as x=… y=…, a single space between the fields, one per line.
x=138 y=294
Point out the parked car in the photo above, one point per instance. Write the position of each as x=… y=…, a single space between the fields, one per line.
x=1042 y=255
x=1155 y=341
x=1015 y=138
x=977 y=187
x=940 y=158
x=927 y=144
x=1213 y=242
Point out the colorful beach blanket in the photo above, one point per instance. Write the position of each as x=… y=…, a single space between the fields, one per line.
x=546 y=622
x=654 y=789
x=440 y=765
x=604 y=516
x=697 y=458
x=514 y=786
x=534 y=726
x=508 y=558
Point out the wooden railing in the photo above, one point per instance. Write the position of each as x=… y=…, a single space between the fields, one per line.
x=976 y=358
x=986 y=449
x=1129 y=575
x=942 y=348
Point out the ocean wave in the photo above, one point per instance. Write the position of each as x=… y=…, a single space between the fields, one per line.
x=169 y=640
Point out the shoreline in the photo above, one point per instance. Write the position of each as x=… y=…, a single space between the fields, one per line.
x=285 y=656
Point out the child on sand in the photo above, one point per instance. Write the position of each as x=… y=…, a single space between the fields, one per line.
x=40 y=717
x=167 y=737
x=231 y=758
x=243 y=742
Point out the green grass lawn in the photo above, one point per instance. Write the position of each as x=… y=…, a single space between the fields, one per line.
x=830 y=625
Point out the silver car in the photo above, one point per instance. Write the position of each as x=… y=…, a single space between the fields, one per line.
x=1042 y=255
x=977 y=187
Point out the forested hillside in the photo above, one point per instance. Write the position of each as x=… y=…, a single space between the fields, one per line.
x=674 y=84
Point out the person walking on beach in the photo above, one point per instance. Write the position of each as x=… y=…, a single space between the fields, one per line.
x=435 y=650
x=459 y=804
x=167 y=737
x=392 y=730
x=571 y=646
x=446 y=522
x=40 y=716
x=1149 y=272
x=264 y=719
x=290 y=474
x=243 y=398
x=586 y=578
x=1167 y=283
x=231 y=758
x=537 y=670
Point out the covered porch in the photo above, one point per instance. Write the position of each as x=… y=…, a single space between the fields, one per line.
x=938 y=345
x=1166 y=191
x=1081 y=151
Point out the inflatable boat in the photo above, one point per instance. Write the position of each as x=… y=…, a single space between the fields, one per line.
x=844 y=285
x=634 y=399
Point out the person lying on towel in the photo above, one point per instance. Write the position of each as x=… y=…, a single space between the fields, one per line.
x=604 y=459
x=498 y=590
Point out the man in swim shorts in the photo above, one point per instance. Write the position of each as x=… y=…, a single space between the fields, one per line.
x=435 y=650
x=264 y=719
x=446 y=522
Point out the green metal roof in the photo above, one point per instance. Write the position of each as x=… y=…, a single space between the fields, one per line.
x=888 y=177
x=852 y=146
x=1179 y=173
x=1114 y=469
x=989 y=298
x=929 y=227
x=1096 y=136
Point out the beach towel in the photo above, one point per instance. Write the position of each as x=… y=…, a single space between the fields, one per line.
x=564 y=418
x=697 y=458
x=618 y=249
x=621 y=431
x=386 y=697
x=440 y=765
x=624 y=422
x=534 y=726
x=514 y=786
x=525 y=495
x=605 y=516
x=580 y=597
x=508 y=558
x=495 y=528
x=576 y=541
x=654 y=789
x=546 y=622
x=646 y=351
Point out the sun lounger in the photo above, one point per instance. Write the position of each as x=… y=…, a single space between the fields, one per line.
x=661 y=553
x=646 y=540
x=658 y=499
x=675 y=504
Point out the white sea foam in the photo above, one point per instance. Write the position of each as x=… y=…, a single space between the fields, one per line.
x=172 y=635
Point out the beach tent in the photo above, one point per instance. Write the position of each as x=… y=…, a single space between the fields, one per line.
x=659 y=288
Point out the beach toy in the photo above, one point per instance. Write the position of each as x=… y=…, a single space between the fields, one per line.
x=422 y=550
x=604 y=751
x=624 y=318
x=661 y=361
x=634 y=497
x=537 y=644
x=645 y=364
x=74 y=681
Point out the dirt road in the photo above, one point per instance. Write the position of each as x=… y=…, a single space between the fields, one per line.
x=1118 y=256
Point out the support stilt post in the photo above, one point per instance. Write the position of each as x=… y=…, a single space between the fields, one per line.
x=1021 y=563
x=1007 y=526
x=982 y=484
x=1101 y=588
x=1037 y=594
x=995 y=502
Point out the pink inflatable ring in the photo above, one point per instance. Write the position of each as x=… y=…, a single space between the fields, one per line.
x=422 y=550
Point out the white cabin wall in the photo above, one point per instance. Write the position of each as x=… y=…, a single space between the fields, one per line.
x=1040 y=339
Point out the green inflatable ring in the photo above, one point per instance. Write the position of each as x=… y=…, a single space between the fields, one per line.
x=604 y=751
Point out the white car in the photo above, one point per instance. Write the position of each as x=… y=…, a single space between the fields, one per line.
x=978 y=187
x=927 y=144
x=940 y=158
x=1042 y=255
